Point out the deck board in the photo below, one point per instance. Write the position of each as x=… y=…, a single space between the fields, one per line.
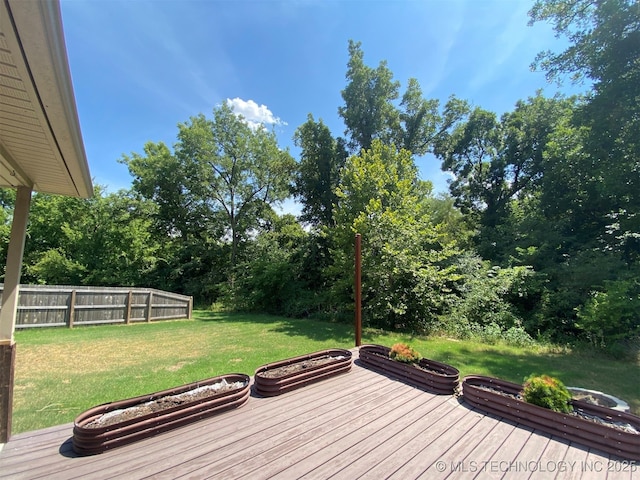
x=357 y=425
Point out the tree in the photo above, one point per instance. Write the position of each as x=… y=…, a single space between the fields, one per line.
x=604 y=48
x=273 y=276
x=407 y=259
x=240 y=170
x=171 y=184
x=318 y=172
x=421 y=122
x=105 y=240
x=184 y=225
x=368 y=112
x=496 y=162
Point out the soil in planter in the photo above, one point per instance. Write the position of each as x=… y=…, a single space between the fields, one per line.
x=594 y=400
x=164 y=403
x=625 y=427
x=298 y=366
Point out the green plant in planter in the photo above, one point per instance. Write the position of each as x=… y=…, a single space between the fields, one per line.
x=404 y=353
x=547 y=392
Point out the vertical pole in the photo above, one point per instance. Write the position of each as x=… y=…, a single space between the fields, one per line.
x=72 y=308
x=9 y=309
x=358 y=285
x=149 y=306
x=127 y=315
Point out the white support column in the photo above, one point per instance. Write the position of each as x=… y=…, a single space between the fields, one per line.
x=9 y=308
x=14 y=265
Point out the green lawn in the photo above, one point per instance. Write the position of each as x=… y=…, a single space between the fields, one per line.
x=61 y=372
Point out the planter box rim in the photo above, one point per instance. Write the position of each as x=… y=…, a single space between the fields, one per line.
x=271 y=386
x=96 y=440
x=337 y=352
x=434 y=376
x=625 y=444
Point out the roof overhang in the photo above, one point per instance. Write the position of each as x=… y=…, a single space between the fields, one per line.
x=40 y=140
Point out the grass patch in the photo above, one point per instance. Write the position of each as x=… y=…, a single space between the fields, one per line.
x=62 y=372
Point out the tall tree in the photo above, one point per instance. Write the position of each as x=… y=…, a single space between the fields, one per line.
x=368 y=110
x=604 y=48
x=371 y=110
x=495 y=162
x=318 y=172
x=407 y=258
x=422 y=123
x=240 y=170
x=170 y=183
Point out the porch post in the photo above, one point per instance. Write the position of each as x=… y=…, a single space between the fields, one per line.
x=358 y=290
x=9 y=308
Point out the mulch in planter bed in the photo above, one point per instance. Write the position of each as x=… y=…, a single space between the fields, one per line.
x=175 y=407
x=428 y=375
x=296 y=372
x=499 y=397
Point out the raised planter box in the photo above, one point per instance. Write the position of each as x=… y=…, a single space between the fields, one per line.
x=91 y=440
x=280 y=377
x=433 y=376
x=603 y=437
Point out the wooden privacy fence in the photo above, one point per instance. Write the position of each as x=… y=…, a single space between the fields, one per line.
x=59 y=306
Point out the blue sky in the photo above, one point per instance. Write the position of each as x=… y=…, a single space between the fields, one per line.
x=141 y=67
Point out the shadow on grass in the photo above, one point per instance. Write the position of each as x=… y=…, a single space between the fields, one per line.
x=312 y=329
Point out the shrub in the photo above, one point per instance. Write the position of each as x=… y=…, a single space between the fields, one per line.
x=547 y=392
x=612 y=315
x=404 y=353
x=485 y=291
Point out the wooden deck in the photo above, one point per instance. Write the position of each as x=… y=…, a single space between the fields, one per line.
x=357 y=425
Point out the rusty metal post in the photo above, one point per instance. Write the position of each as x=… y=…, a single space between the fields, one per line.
x=358 y=287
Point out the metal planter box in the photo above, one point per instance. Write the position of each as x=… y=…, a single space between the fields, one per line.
x=572 y=428
x=434 y=376
x=92 y=440
x=339 y=362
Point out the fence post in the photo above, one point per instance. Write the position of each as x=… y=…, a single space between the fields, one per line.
x=190 y=313
x=127 y=316
x=72 y=308
x=149 y=305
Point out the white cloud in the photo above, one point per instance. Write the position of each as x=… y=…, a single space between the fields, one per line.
x=254 y=114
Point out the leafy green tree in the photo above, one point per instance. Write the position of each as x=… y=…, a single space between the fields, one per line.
x=370 y=109
x=498 y=163
x=604 y=49
x=318 y=173
x=272 y=277
x=171 y=184
x=368 y=112
x=422 y=123
x=105 y=240
x=612 y=314
x=407 y=260
x=240 y=170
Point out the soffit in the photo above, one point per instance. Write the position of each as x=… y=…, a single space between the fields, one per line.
x=40 y=140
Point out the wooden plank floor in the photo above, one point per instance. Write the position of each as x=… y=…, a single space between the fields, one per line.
x=358 y=425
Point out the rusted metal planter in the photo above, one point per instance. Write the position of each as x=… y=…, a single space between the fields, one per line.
x=571 y=428
x=87 y=441
x=268 y=387
x=434 y=376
